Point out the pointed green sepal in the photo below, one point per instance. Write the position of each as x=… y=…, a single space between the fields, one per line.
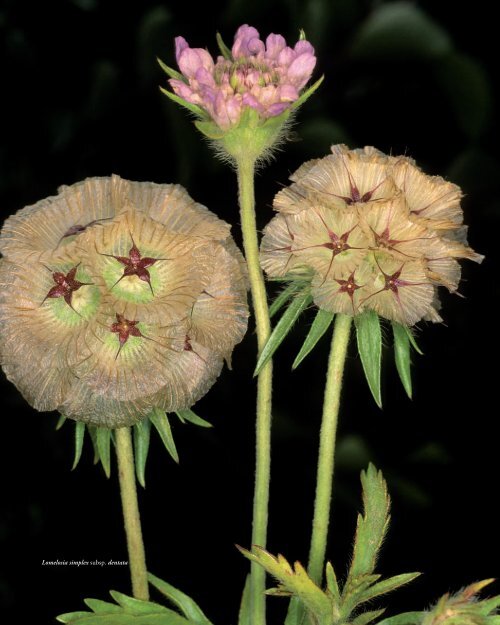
x=320 y=325
x=136 y=606
x=402 y=356
x=60 y=422
x=282 y=298
x=283 y=327
x=369 y=338
x=103 y=438
x=225 y=51
x=193 y=108
x=192 y=417
x=367 y=617
x=72 y=617
x=142 y=435
x=160 y=420
x=388 y=585
x=185 y=604
x=306 y=95
x=169 y=71
x=332 y=584
x=209 y=129
x=79 y=435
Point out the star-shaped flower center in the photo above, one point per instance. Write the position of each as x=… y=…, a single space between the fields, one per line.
x=135 y=265
x=65 y=286
x=125 y=328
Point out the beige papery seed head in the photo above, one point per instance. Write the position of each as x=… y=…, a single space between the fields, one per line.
x=116 y=298
x=375 y=231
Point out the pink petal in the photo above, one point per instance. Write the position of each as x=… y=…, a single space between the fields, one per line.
x=191 y=59
x=274 y=45
x=251 y=101
x=244 y=35
x=184 y=91
x=301 y=69
x=204 y=77
x=286 y=57
x=303 y=46
x=288 y=93
x=276 y=109
x=180 y=45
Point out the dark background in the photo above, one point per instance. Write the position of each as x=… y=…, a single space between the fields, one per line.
x=80 y=95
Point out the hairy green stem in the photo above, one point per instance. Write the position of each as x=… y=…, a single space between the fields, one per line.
x=324 y=478
x=246 y=170
x=131 y=516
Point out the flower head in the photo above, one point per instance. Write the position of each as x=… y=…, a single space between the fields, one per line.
x=118 y=298
x=250 y=84
x=375 y=232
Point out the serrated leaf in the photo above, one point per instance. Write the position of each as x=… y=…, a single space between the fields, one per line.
x=193 y=108
x=332 y=583
x=489 y=605
x=79 y=434
x=189 y=415
x=160 y=420
x=166 y=618
x=102 y=607
x=283 y=327
x=369 y=338
x=142 y=435
x=103 y=440
x=367 y=617
x=294 y=580
x=320 y=325
x=188 y=607
x=169 y=71
x=296 y=613
x=402 y=356
x=353 y=593
x=388 y=585
x=60 y=422
x=372 y=524
x=406 y=618
x=69 y=617
x=225 y=51
x=245 y=613
x=307 y=94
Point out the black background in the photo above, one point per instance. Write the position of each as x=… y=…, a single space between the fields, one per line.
x=80 y=95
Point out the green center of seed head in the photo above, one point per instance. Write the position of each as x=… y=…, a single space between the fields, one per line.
x=84 y=302
x=131 y=288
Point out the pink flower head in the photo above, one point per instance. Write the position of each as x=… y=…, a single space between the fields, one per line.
x=267 y=77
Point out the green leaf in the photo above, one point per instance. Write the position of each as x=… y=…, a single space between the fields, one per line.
x=412 y=340
x=225 y=51
x=194 y=108
x=245 y=613
x=102 y=607
x=160 y=420
x=188 y=607
x=369 y=336
x=87 y=618
x=136 y=606
x=320 y=325
x=79 y=434
x=283 y=327
x=209 y=129
x=400 y=30
x=307 y=94
x=332 y=583
x=295 y=614
x=189 y=415
x=103 y=438
x=294 y=580
x=406 y=618
x=367 y=617
x=372 y=525
x=70 y=617
x=92 y=430
x=60 y=422
x=169 y=71
x=402 y=356
x=282 y=298
x=142 y=435
x=388 y=585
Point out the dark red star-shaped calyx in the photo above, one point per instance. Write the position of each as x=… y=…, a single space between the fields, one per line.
x=125 y=328
x=135 y=265
x=65 y=286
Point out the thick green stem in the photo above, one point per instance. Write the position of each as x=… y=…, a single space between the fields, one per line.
x=131 y=517
x=324 y=478
x=264 y=384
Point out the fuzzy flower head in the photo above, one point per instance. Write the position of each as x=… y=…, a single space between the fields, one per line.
x=373 y=232
x=250 y=84
x=118 y=298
